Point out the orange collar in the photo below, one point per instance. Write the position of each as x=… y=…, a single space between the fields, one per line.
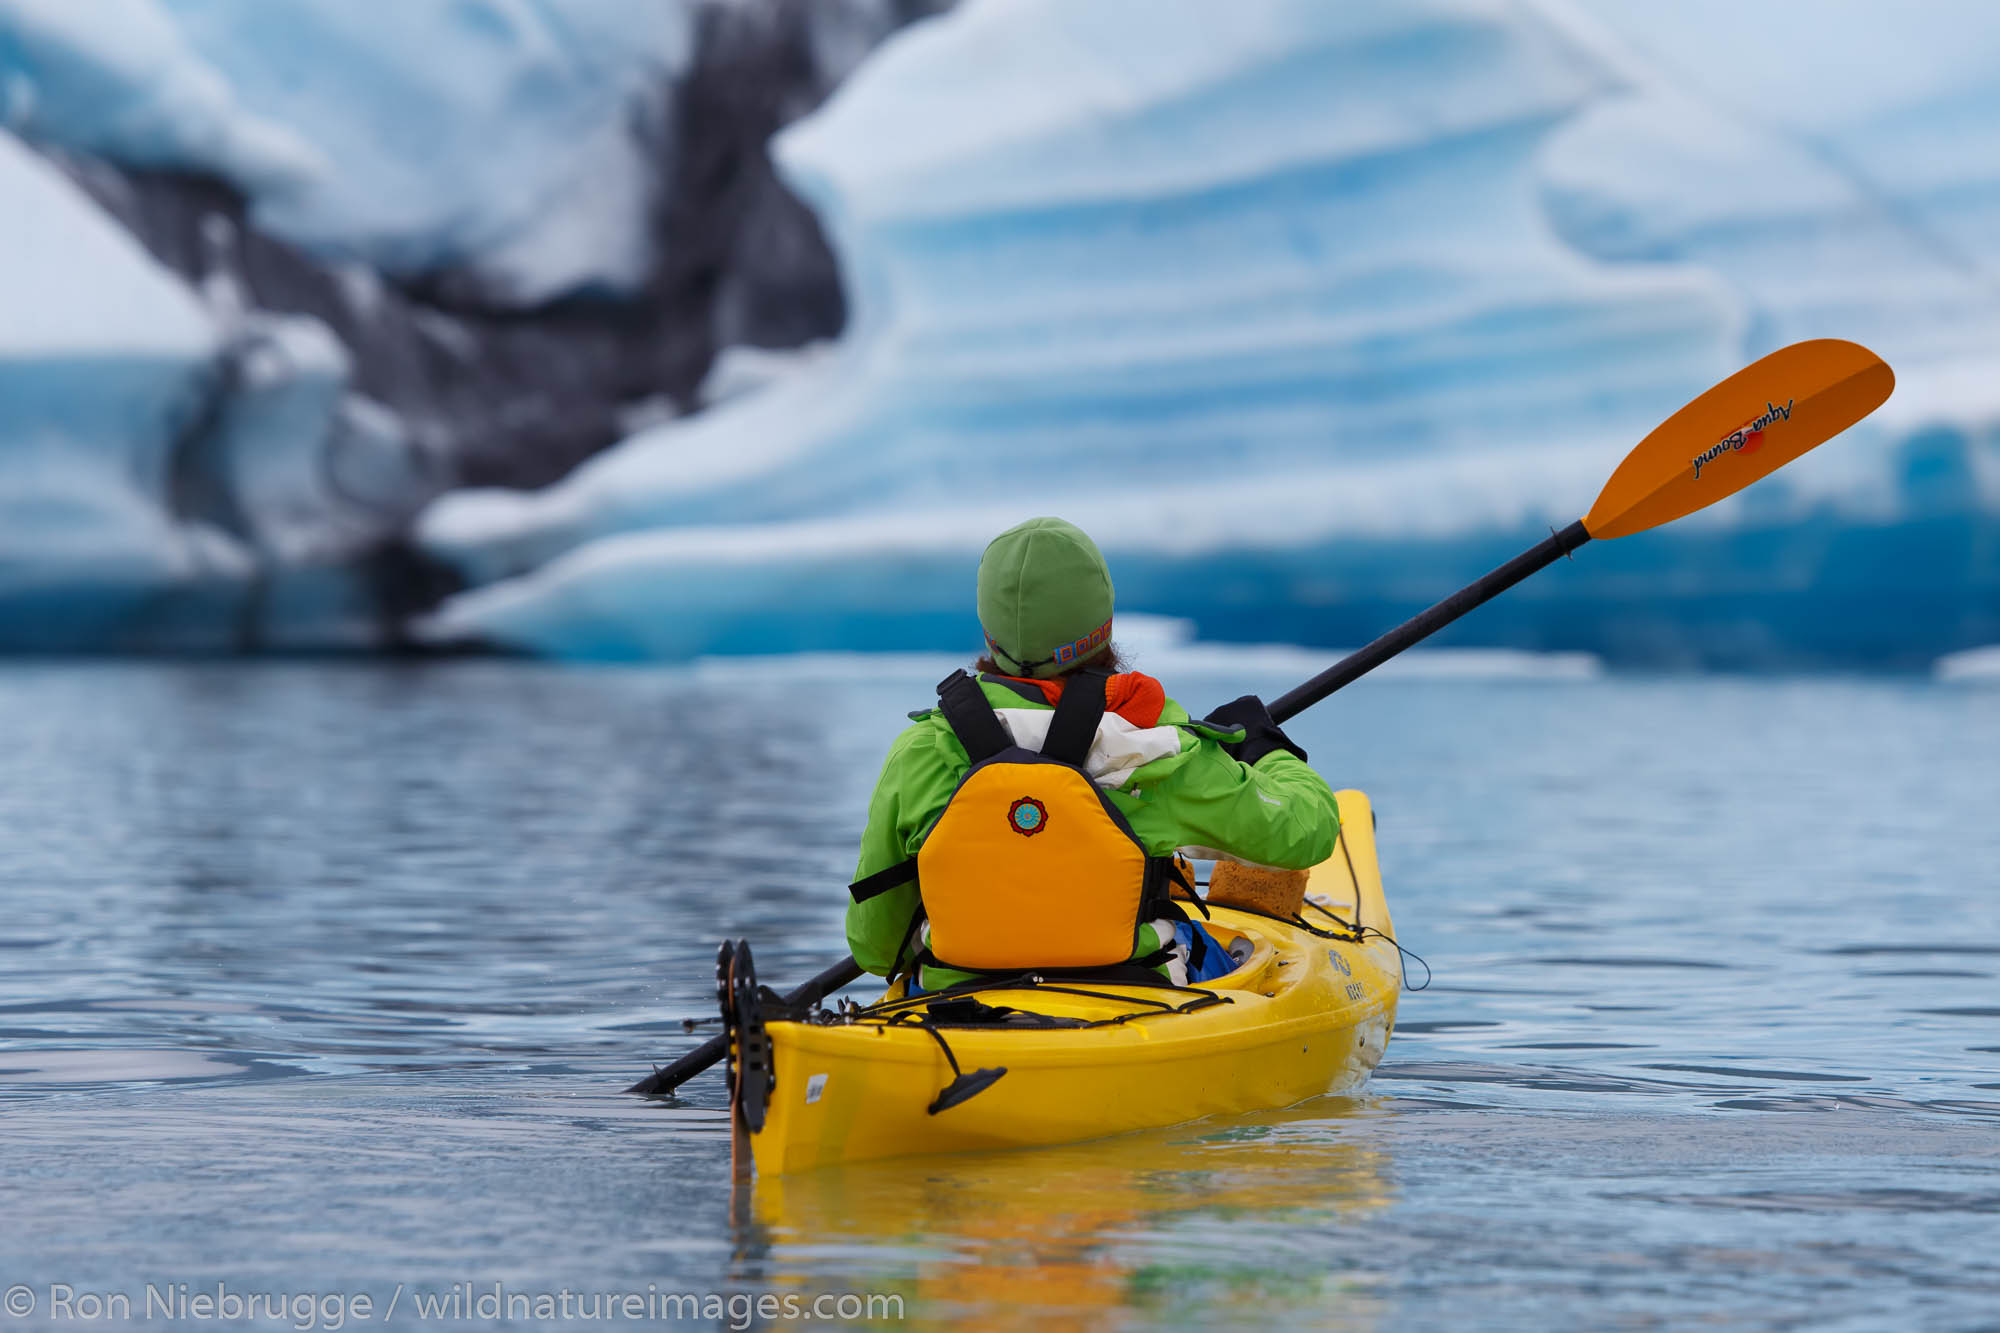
x=1134 y=696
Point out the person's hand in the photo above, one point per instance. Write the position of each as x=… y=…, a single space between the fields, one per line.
x=1261 y=735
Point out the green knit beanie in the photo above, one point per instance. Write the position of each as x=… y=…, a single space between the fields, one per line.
x=1044 y=598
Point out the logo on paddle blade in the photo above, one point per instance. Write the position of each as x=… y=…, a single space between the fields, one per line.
x=1028 y=816
x=1746 y=438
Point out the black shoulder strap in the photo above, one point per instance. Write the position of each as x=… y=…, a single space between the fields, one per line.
x=972 y=718
x=879 y=883
x=1078 y=712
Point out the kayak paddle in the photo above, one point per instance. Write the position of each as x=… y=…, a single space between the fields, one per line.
x=1742 y=430
x=663 y=1081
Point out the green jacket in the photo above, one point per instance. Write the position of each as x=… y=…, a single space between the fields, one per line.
x=1279 y=813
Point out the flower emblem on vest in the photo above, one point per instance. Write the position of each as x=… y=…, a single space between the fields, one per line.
x=1028 y=816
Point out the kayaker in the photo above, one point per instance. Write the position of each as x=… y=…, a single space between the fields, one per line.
x=1035 y=868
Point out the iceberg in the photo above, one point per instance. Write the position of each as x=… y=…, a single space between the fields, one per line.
x=503 y=137
x=1974 y=665
x=104 y=359
x=221 y=418
x=1310 y=316
x=1153 y=267
x=179 y=475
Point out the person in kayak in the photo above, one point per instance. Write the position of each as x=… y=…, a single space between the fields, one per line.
x=985 y=852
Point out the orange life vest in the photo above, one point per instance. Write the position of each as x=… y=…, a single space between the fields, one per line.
x=1030 y=865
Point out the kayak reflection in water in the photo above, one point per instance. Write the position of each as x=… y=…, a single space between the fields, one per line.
x=1031 y=821
x=1094 y=1235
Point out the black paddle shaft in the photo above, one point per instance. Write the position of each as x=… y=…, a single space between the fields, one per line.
x=1426 y=623
x=662 y=1081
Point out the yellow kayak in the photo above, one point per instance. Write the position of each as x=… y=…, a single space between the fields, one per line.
x=1048 y=1060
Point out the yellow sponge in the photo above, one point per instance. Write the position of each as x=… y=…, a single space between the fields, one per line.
x=1258 y=888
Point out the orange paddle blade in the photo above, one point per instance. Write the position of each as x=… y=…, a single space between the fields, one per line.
x=1746 y=427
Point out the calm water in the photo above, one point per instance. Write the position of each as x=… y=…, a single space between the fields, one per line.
x=323 y=980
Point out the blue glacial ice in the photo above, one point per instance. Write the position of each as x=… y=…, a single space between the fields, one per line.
x=494 y=136
x=1313 y=315
x=1973 y=666
x=102 y=357
x=175 y=473
x=186 y=471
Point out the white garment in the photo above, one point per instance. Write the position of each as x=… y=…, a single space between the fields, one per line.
x=1119 y=749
